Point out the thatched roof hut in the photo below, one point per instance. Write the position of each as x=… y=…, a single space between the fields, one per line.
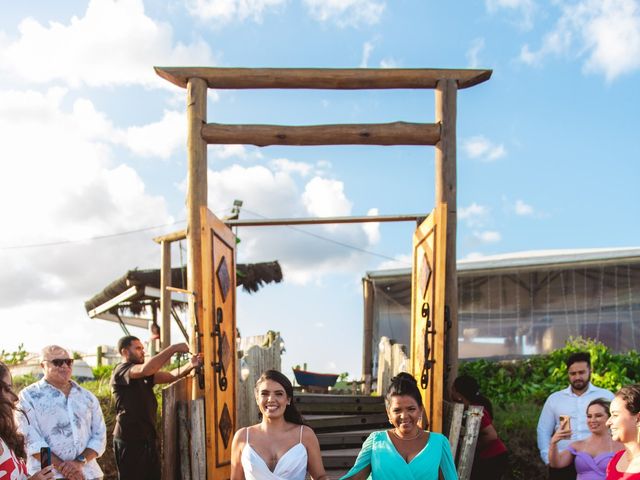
x=127 y=297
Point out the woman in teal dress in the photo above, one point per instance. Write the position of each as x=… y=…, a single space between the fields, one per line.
x=406 y=451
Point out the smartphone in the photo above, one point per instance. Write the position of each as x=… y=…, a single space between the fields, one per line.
x=45 y=457
x=565 y=422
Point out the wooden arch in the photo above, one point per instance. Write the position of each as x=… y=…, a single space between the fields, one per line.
x=441 y=134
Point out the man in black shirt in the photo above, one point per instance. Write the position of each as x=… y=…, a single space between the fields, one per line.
x=132 y=381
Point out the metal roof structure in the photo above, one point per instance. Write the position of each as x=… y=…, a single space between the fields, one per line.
x=530 y=260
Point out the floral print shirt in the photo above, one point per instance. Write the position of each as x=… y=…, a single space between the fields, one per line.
x=66 y=424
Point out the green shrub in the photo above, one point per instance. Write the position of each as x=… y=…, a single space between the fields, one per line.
x=518 y=389
x=103 y=371
x=534 y=378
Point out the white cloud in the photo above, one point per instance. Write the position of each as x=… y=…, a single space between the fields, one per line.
x=225 y=11
x=474 y=256
x=61 y=182
x=289 y=166
x=483 y=149
x=389 y=62
x=523 y=209
x=474 y=215
x=488 y=236
x=114 y=43
x=372 y=229
x=604 y=33
x=306 y=253
x=400 y=261
x=324 y=197
x=367 y=48
x=346 y=12
x=524 y=10
x=474 y=50
x=158 y=139
x=242 y=152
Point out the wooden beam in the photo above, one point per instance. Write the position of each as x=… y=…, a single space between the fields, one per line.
x=323 y=78
x=446 y=192
x=196 y=198
x=182 y=234
x=396 y=133
x=271 y=222
x=171 y=237
x=165 y=295
x=109 y=304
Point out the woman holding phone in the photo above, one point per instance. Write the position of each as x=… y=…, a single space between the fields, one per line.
x=592 y=454
x=12 y=451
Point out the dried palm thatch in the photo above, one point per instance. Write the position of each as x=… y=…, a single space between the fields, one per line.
x=251 y=276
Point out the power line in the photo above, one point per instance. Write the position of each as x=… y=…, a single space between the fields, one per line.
x=327 y=239
x=155 y=227
x=90 y=239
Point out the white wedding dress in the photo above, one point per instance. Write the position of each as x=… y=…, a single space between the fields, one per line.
x=291 y=466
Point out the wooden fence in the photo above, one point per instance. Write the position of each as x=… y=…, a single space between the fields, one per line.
x=392 y=359
x=263 y=355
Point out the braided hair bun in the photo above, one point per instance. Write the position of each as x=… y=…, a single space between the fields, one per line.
x=404 y=384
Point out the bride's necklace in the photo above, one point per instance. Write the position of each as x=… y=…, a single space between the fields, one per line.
x=406 y=439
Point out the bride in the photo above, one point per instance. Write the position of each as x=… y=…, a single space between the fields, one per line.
x=280 y=447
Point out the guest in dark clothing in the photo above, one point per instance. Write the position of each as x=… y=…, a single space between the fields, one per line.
x=132 y=381
x=491 y=458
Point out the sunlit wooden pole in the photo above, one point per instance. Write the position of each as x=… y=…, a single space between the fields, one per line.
x=445 y=166
x=196 y=198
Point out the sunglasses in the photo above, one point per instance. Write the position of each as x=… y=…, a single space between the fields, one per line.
x=58 y=362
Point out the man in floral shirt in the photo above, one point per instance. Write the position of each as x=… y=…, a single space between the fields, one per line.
x=60 y=414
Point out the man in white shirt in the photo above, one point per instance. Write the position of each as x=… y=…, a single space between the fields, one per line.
x=60 y=414
x=571 y=401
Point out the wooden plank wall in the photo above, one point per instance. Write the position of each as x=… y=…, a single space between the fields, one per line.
x=453 y=417
x=174 y=397
x=392 y=359
x=256 y=359
x=198 y=446
x=469 y=440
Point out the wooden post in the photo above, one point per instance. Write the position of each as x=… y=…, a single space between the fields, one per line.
x=165 y=295
x=445 y=176
x=196 y=198
x=152 y=341
x=367 y=347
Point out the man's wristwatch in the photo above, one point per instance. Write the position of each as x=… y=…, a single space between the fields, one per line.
x=81 y=458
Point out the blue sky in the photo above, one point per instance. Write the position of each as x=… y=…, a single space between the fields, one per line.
x=92 y=143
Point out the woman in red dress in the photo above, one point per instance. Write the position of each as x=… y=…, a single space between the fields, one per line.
x=491 y=460
x=624 y=422
x=12 y=452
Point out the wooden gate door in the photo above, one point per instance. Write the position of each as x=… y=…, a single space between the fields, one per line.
x=428 y=312
x=218 y=342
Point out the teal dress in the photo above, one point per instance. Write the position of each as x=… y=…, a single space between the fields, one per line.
x=386 y=463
